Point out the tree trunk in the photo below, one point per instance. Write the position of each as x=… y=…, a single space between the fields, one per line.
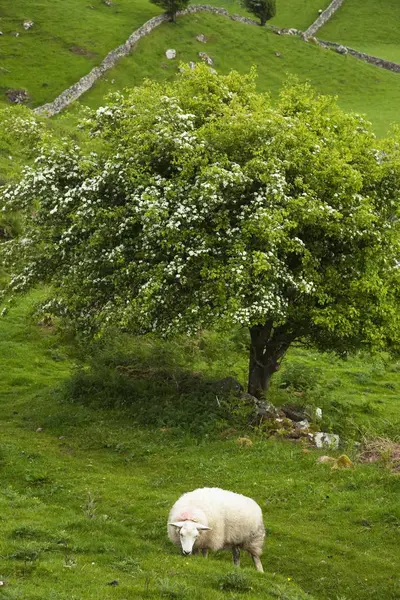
x=268 y=346
x=172 y=17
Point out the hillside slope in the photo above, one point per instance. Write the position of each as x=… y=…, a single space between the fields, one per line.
x=360 y=87
x=85 y=490
x=371 y=26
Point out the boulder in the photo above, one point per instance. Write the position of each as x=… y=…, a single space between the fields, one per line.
x=207 y=59
x=302 y=425
x=341 y=50
x=294 y=412
x=170 y=53
x=326 y=440
x=201 y=38
x=27 y=25
x=17 y=96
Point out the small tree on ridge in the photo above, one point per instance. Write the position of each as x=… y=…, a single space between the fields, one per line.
x=263 y=9
x=171 y=7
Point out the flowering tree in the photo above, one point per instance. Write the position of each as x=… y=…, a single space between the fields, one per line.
x=206 y=205
x=263 y=9
x=171 y=7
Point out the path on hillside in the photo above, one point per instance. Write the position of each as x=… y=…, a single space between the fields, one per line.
x=87 y=81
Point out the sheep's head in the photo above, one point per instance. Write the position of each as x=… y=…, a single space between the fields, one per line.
x=189 y=531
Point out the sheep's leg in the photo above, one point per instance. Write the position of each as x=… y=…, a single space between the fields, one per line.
x=195 y=551
x=257 y=563
x=204 y=552
x=236 y=556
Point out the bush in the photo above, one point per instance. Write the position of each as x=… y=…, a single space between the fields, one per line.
x=235 y=582
x=301 y=378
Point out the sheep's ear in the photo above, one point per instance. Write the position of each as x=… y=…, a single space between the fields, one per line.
x=178 y=524
x=200 y=526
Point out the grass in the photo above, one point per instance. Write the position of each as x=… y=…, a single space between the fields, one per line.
x=85 y=487
x=289 y=13
x=68 y=39
x=360 y=87
x=370 y=26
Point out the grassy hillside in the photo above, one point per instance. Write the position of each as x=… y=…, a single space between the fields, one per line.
x=360 y=87
x=289 y=13
x=371 y=26
x=85 y=490
x=68 y=38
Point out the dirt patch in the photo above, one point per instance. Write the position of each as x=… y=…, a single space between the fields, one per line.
x=382 y=450
x=83 y=51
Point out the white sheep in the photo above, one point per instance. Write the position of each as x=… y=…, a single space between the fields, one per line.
x=212 y=519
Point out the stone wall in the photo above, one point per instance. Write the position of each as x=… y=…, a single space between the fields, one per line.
x=373 y=60
x=87 y=81
x=323 y=18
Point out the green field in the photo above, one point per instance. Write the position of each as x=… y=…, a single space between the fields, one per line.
x=98 y=441
x=85 y=488
x=66 y=41
x=70 y=38
x=360 y=87
x=371 y=26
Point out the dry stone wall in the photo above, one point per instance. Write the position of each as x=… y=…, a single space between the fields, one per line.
x=323 y=18
x=373 y=60
x=87 y=81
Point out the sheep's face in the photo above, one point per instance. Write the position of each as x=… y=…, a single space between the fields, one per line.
x=189 y=532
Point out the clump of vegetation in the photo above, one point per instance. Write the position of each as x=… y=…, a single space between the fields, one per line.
x=234 y=582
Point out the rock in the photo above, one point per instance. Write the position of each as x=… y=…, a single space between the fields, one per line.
x=229 y=384
x=27 y=25
x=15 y=34
x=294 y=412
x=302 y=425
x=244 y=442
x=207 y=59
x=113 y=583
x=320 y=11
x=1 y=33
x=326 y=459
x=170 y=54
x=248 y=399
x=341 y=50
x=326 y=440
x=39 y=430
x=192 y=65
x=17 y=96
x=107 y=2
x=277 y=54
x=318 y=414
x=201 y=38
x=343 y=462
x=265 y=410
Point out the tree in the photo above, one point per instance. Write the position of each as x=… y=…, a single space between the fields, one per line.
x=263 y=9
x=171 y=7
x=205 y=205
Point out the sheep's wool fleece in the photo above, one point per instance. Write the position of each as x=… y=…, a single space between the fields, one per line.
x=234 y=519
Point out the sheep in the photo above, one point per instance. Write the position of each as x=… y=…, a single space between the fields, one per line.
x=213 y=519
